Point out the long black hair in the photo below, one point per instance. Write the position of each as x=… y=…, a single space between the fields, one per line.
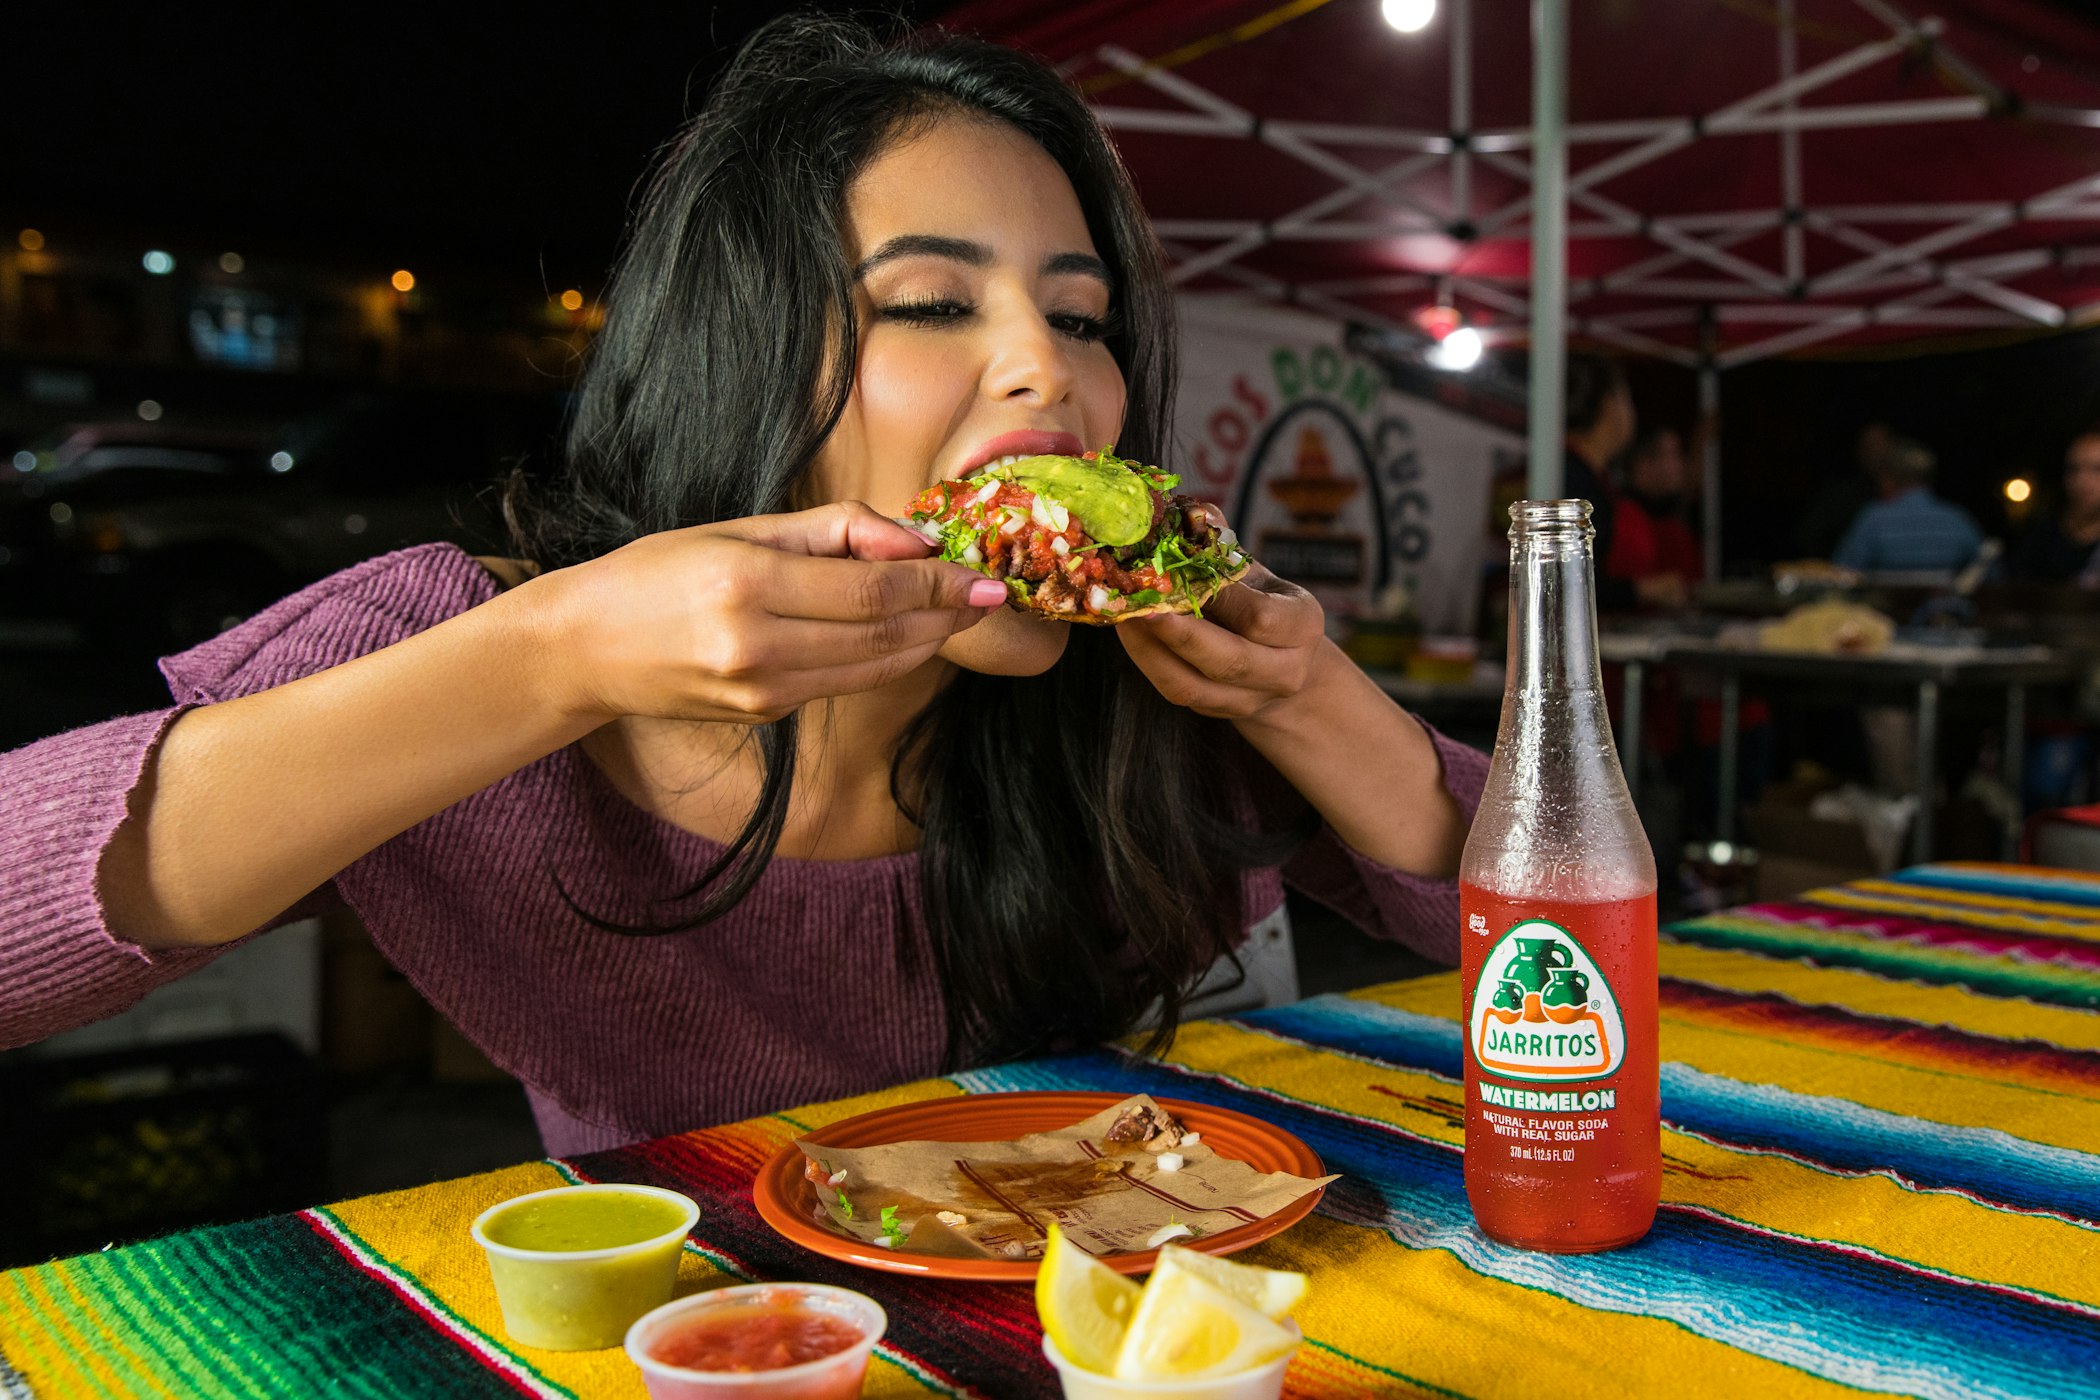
x=1079 y=853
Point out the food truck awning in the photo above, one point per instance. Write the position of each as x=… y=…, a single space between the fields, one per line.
x=1747 y=177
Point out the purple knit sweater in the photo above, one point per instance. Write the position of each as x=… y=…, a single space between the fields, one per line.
x=614 y=1037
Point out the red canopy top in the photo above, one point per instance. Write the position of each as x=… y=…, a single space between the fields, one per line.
x=1948 y=160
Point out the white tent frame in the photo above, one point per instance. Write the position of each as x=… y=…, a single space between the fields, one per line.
x=1903 y=280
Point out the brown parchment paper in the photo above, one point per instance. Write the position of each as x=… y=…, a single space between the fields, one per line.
x=1099 y=1179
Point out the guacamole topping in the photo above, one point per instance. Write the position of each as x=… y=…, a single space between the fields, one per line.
x=1109 y=500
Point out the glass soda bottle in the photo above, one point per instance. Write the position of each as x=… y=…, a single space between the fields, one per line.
x=1557 y=908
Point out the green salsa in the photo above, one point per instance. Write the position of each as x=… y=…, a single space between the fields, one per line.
x=1112 y=503
x=585 y=1220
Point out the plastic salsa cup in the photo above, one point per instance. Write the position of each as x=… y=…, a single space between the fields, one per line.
x=576 y=1265
x=1264 y=1382
x=836 y=1376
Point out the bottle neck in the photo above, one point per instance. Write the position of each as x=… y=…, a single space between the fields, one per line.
x=1552 y=612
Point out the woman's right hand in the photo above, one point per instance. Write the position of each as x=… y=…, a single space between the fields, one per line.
x=745 y=620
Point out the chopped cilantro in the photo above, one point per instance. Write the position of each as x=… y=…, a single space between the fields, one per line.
x=845 y=1205
x=890 y=1226
x=1146 y=597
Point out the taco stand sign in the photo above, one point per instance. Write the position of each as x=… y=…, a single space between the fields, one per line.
x=1333 y=478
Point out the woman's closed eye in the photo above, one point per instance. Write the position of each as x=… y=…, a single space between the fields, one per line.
x=947 y=311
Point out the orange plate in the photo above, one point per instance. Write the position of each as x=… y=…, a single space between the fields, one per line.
x=786 y=1200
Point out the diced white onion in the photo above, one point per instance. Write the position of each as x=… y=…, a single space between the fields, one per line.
x=973 y=556
x=1060 y=518
x=1227 y=537
x=886 y=1241
x=1191 y=1139
x=1096 y=600
x=1014 y=522
x=1172 y=1161
x=991 y=489
x=1167 y=1232
x=1060 y=546
x=953 y=1219
x=836 y=1178
x=1039 y=512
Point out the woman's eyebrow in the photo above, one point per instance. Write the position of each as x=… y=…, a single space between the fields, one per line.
x=924 y=245
x=1084 y=264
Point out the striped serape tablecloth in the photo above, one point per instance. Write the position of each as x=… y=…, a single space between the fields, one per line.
x=1882 y=1115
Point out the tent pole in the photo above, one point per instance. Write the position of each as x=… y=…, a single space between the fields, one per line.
x=1710 y=441
x=1549 y=243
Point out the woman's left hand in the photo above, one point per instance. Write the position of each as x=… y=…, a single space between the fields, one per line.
x=1252 y=650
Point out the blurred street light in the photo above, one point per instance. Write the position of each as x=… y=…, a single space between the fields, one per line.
x=572 y=300
x=150 y=410
x=231 y=262
x=31 y=240
x=2018 y=489
x=158 y=263
x=404 y=281
x=1460 y=350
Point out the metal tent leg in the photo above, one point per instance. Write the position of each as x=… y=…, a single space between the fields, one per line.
x=1927 y=771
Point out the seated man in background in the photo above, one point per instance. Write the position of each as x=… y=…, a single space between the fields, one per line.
x=1909 y=529
x=2063 y=546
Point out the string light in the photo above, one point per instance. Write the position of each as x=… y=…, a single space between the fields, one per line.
x=2018 y=489
x=572 y=300
x=158 y=263
x=1459 y=351
x=1408 y=16
x=31 y=240
x=404 y=280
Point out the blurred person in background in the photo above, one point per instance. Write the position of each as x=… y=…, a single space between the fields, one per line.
x=1600 y=424
x=2063 y=546
x=1652 y=543
x=1909 y=529
x=1842 y=495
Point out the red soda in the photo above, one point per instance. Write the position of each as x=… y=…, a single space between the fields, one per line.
x=1557 y=908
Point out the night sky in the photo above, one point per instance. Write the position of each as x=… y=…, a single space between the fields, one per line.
x=432 y=136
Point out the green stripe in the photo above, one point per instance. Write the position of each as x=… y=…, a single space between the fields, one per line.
x=1354 y=1360
x=438 y=1305
x=1937 y=967
x=202 y=1265
x=129 y=1289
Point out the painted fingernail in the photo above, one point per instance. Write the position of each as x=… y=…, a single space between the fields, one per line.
x=987 y=591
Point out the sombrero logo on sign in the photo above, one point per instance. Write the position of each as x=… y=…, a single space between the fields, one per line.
x=1543 y=1011
x=1331 y=494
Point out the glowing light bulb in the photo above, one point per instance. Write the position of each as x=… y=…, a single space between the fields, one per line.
x=404 y=281
x=150 y=410
x=158 y=263
x=1408 y=16
x=231 y=262
x=572 y=300
x=2018 y=489
x=31 y=240
x=1460 y=350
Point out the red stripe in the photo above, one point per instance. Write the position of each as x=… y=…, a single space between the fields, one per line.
x=2035 y=1060
x=1945 y=929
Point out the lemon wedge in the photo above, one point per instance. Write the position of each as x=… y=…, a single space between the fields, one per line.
x=1188 y=1328
x=1270 y=1292
x=1085 y=1305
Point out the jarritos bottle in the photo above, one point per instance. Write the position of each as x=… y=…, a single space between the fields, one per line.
x=1557 y=906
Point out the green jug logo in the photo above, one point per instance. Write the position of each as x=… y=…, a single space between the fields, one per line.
x=1543 y=1011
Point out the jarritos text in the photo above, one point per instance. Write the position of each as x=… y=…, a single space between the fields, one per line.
x=1543 y=1010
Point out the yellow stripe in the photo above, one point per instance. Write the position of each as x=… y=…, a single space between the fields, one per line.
x=1867 y=995
x=1937 y=1230
x=2083 y=919
x=1988 y=913
x=80 y=1357
x=1440 y=1322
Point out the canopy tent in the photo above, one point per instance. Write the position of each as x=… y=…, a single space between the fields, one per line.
x=1749 y=177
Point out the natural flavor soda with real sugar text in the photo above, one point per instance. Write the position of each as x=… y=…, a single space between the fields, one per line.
x=1557 y=932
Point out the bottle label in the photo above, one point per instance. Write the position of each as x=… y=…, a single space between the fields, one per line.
x=1543 y=1011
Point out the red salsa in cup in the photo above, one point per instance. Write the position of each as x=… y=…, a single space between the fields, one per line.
x=767 y=1333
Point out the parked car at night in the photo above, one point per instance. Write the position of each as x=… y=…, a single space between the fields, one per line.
x=161 y=537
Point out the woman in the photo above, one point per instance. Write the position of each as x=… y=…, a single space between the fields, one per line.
x=726 y=796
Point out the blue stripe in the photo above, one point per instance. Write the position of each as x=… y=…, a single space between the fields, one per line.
x=1993 y=1166
x=1856 y=1321
x=1941 y=877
